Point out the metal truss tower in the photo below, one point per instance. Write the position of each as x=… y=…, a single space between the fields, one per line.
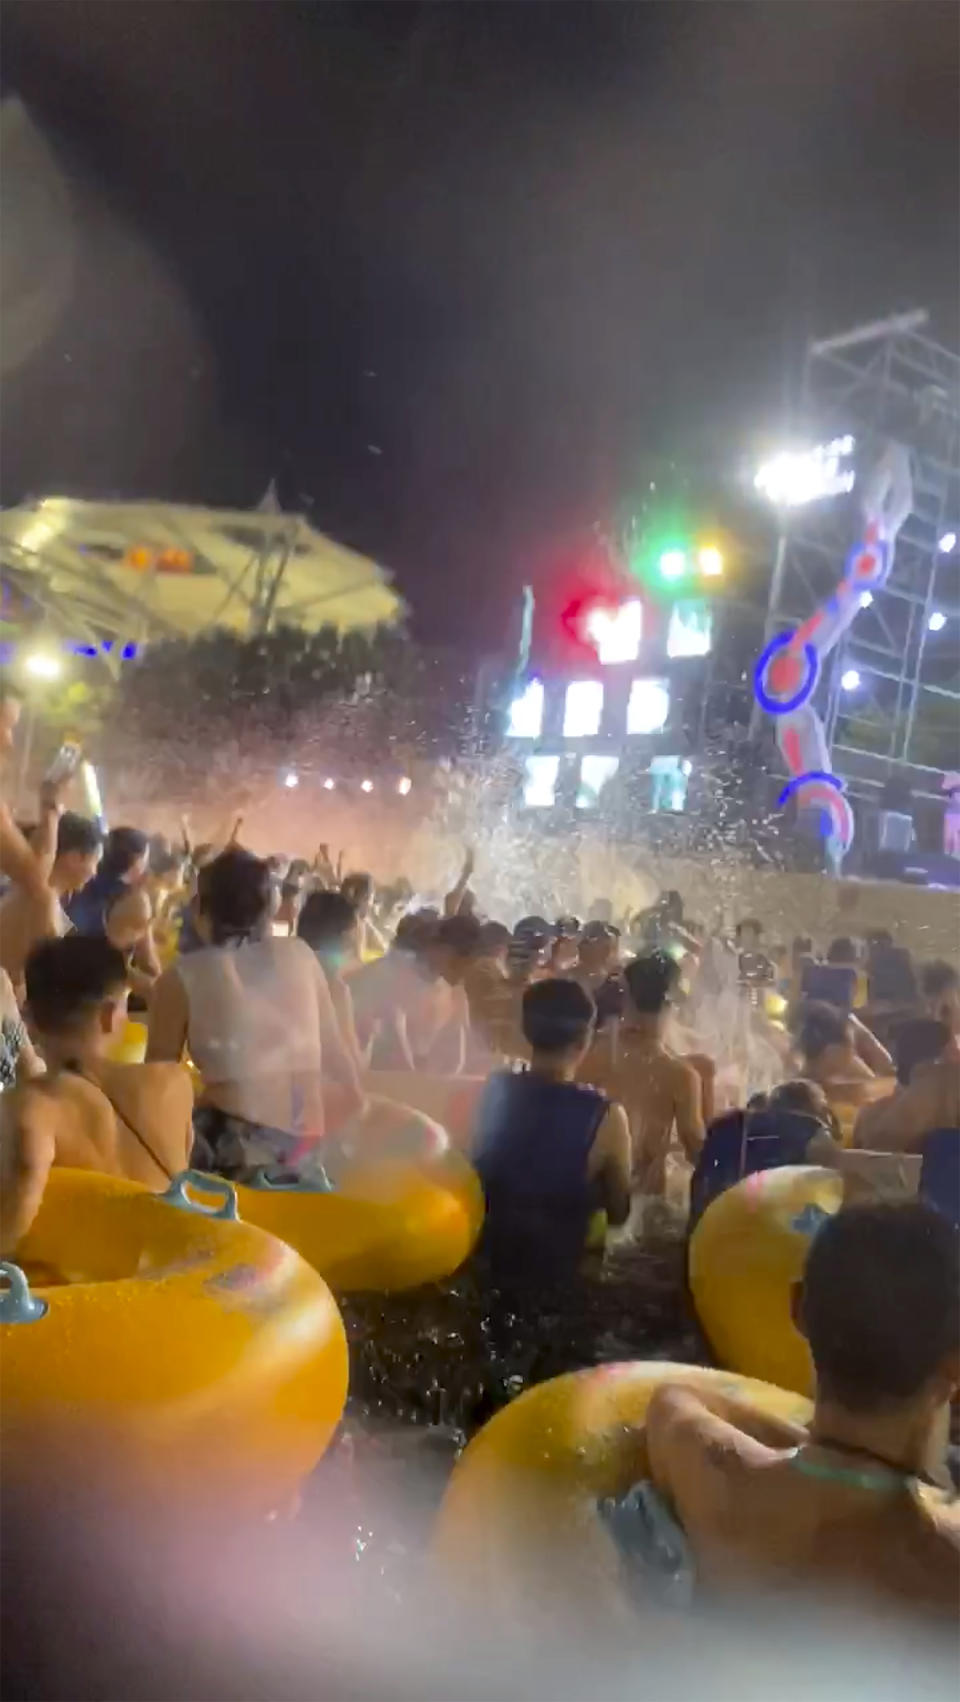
x=881 y=382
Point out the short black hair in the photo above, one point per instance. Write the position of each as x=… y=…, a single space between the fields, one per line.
x=460 y=934
x=748 y=922
x=922 y=1040
x=937 y=978
x=842 y=950
x=67 y=978
x=873 y=1353
x=804 y=1097
x=557 y=1015
x=123 y=847
x=819 y=1025
x=492 y=938
x=78 y=833
x=358 y=883
x=235 y=892
x=416 y=930
x=650 y=981
x=533 y=928
x=325 y=918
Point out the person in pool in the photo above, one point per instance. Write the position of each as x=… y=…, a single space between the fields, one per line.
x=549 y=1151
x=330 y=925
x=129 y=1120
x=835 y=1508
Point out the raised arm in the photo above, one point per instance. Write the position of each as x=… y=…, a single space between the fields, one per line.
x=457 y=893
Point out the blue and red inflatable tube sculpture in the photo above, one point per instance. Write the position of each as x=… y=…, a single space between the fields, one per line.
x=788 y=670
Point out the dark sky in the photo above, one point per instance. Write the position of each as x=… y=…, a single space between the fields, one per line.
x=457 y=275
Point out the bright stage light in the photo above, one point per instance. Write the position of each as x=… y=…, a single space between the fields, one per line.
x=329 y=785
x=366 y=785
x=291 y=780
x=672 y=564
x=41 y=665
x=404 y=785
x=582 y=709
x=540 y=781
x=796 y=477
x=850 y=679
x=616 y=633
x=690 y=629
x=648 y=706
x=866 y=598
x=526 y=712
x=948 y=543
x=937 y=621
x=595 y=773
x=710 y=562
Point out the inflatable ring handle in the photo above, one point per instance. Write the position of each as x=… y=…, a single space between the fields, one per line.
x=176 y=1195
x=318 y=1184
x=17 y=1304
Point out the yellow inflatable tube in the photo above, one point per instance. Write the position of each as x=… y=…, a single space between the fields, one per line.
x=186 y=1350
x=746 y=1254
x=518 y=1531
x=389 y=1225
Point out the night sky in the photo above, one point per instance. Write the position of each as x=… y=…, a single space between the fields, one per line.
x=458 y=276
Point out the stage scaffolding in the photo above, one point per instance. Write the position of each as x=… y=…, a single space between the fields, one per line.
x=883 y=381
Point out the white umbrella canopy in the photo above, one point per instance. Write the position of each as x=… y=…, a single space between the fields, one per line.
x=137 y=571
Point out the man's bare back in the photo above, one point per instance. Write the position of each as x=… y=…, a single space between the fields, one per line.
x=131 y=1120
x=785 y=1513
x=659 y=1091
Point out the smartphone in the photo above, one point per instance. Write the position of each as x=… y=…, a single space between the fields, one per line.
x=65 y=763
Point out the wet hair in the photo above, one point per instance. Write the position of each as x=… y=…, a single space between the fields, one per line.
x=938 y=978
x=533 y=928
x=866 y=1354
x=819 y=1025
x=357 y=887
x=805 y=1097
x=748 y=922
x=235 y=892
x=70 y=978
x=77 y=833
x=842 y=950
x=599 y=931
x=493 y=937
x=122 y=847
x=920 y=1041
x=325 y=919
x=416 y=930
x=460 y=934
x=650 y=981
x=557 y=1015
x=879 y=940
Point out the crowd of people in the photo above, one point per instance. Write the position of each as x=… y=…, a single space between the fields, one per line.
x=290 y=986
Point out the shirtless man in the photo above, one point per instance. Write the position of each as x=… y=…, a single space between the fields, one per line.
x=835 y=1509
x=128 y=1120
x=927 y=1096
x=26 y=916
x=660 y=1091
x=847 y=1060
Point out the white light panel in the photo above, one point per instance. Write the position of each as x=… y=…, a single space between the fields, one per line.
x=582 y=709
x=526 y=712
x=648 y=706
